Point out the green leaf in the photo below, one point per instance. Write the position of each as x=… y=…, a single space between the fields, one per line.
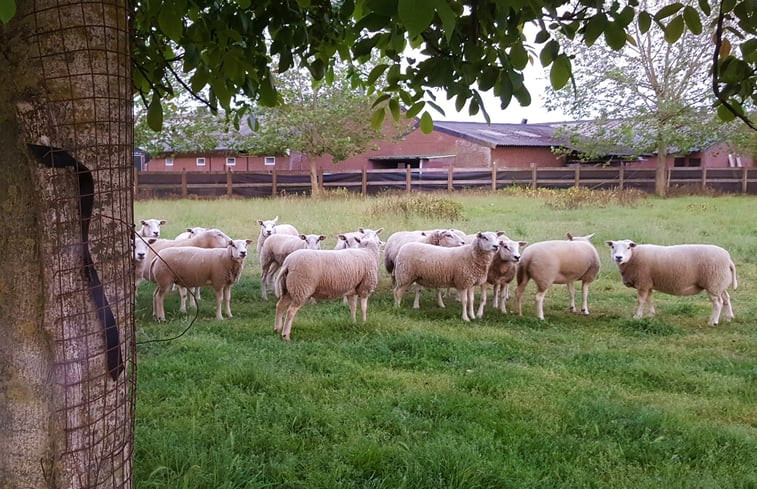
x=615 y=36
x=378 y=118
x=560 y=72
x=448 y=16
x=541 y=37
x=488 y=78
x=268 y=94
x=379 y=100
x=170 y=22
x=394 y=108
x=518 y=57
x=704 y=5
x=7 y=10
x=645 y=21
x=415 y=109
x=668 y=10
x=427 y=124
x=693 y=22
x=549 y=52
x=376 y=72
x=245 y=4
x=674 y=29
x=155 y=114
x=594 y=28
x=416 y=15
x=724 y=114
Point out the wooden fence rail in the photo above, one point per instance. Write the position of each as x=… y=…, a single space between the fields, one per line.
x=273 y=183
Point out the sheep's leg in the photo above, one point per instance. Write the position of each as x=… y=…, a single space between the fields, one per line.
x=727 y=305
x=364 y=308
x=642 y=295
x=464 y=301
x=540 y=303
x=481 y=306
x=196 y=297
x=183 y=300
x=227 y=300
x=585 y=298
x=219 y=300
x=417 y=301
x=717 y=307
x=352 y=301
x=281 y=307
x=263 y=287
x=503 y=293
x=158 y=310
x=439 y=300
x=518 y=295
x=291 y=313
x=399 y=291
x=471 y=301
x=572 y=292
x=495 y=296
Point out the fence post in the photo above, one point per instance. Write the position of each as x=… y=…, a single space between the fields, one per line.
x=320 y=180
x=704 y=177
x=494 y=176
x=183 y=184
x=450 y=171
x=578 y=175
x=229 y=190
x=533 y=175
x=408 y=176
x=274 y=190
x=136 y=182
x=622 y=176
x=365 y=182
x=744 y=180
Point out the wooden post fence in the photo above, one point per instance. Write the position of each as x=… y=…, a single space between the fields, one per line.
x=364 y=186
x=494 y=176
x=183 y=184
x=408 y=178
x=450 y=172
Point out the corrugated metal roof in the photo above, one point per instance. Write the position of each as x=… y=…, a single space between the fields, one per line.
x=494 y=135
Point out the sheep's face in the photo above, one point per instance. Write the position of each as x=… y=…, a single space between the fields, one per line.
x=347 y=240
x=195 y=231
x=238 y=248
x=450 y=239
x=151 y=227
x=312 y=241
x=509 y=250
x=621 y=251
x=370 y=234
x=267 y=228
x=140 y=247
x=487 y=241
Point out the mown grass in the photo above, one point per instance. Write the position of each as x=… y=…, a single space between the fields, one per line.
x=419 y=399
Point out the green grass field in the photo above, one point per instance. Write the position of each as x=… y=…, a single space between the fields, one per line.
x=419 y=399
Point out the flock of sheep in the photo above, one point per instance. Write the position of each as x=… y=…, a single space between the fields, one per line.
x=299 y=271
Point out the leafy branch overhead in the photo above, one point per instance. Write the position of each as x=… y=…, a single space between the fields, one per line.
x=233 y=49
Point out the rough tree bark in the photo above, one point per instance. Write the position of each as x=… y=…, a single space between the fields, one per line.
x=65 y=82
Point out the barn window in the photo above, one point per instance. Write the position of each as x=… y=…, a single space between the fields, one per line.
x=270 y=160
x=169 y=161
x=231 y=161
x=200 y=161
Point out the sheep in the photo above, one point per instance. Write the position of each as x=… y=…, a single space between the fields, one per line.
x=269 y=227
x=501 y=272
x=462 y=267
x=190 y=232
x=685 y=269
x=151 y=227
x=140 y=245
x=351 y=239
x=212 y=238
x=189 y=266
x=276 y=248
x=558 y=262
x=326 y=274
x=439 y=237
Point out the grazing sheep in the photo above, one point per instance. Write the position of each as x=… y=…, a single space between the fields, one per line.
x=558 y=262
x=276 y=248
x=272 y=226
x=684 y=269
x=501 y=273
x=326 y=274
x=190 y=232
x=461 y=267
x=189 y=266
x=151 y=227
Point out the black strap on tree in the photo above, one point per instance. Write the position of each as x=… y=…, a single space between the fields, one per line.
x=58 y=158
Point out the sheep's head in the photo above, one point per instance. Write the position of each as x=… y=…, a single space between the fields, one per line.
x=509 y=250
x=621 y=251
x=448 y=238
x=312 y=241
x=151 y=227
x=487 y=241
x=238 y=248
x=141 y=246
x=267 y=228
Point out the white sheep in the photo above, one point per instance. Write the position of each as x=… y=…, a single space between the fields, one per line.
x=352 y=239
x=326 y=274
x=151 y=227
x=558 y=262
x=189 y=266
x=501 y=272
x=685 y=269
x=212 y=238
x=276 y=248
x=272 y=226
x=140 y=250
x=190 y=232
x=461 y=267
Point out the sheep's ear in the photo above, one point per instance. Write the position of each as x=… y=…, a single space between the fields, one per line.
x=260 y=221
x=357 y=240
x=231 y=243
x=303 y=237
x=248 y=241
x=275 y=219
x=500 y=233
x=522 y=243
x=361 y=230
x=423 y=233
x=570 y=236
x=163 y=221
x=589 y=236
x=151 y=240
x=480 y=234
x=142 y=222
x=609 y=243
x=189 y=230
x=321 y=237
x=378 y=231
x=632 y=245
x=342 y=237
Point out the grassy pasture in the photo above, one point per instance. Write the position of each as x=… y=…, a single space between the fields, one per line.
x=419 y=399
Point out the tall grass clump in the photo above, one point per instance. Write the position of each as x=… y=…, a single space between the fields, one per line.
x=430 y=206
x=582 y=197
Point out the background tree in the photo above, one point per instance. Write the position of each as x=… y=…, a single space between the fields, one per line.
x=651 y=97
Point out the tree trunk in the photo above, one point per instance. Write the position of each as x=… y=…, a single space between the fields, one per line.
x=315 y=186
x=66 y=420
x=661 y=173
